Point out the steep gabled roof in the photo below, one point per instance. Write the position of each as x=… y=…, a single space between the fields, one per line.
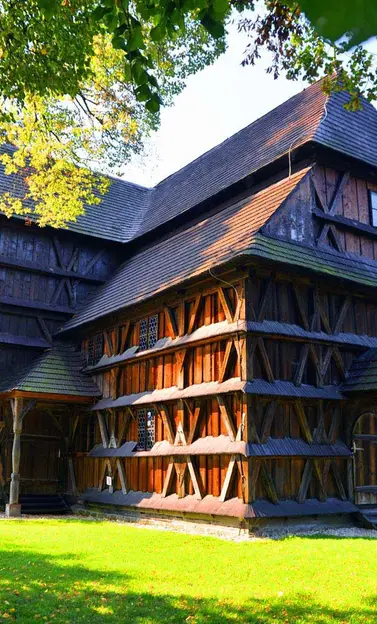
x=188 y=253
x=57 y=371
x=129 y=210
x=265 y=140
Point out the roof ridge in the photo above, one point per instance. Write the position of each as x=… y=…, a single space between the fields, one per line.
x=241 y=131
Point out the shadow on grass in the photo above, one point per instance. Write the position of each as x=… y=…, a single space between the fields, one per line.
x=34 y=588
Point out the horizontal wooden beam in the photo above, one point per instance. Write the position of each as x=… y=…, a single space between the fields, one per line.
x=35 y=305
x=24 y=341
x=347 y=224
x=46 y=397
x=55 y=271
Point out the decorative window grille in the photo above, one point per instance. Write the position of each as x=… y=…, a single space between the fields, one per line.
x=373 y=207
x=146 y=429
x=148 y=332
x=95 y=349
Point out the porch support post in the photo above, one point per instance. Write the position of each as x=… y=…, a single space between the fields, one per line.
x=13 y=509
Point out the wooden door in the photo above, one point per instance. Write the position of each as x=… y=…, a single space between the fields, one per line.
x=40 y=459
x=365 y=449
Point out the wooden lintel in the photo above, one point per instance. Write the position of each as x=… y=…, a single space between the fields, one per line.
x=46 y=397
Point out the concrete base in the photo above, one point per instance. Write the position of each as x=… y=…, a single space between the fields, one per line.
x=13 y=511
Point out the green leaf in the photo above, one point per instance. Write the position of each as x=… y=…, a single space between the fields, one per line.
x=127 y=72
x=221 y=7
x=99 y=12
x=215 y=28
x=157 y=33
x=332 y=20
x=119 y=43
x=152 y=80
x=143 y=93
x=120 y=30
x=48 y=7
x=139 y=73
x=136 y=39
x=154 y=103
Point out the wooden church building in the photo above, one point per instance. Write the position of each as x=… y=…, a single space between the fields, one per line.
x=206 y=348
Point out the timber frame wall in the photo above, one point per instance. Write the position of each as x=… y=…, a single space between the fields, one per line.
x=320 y=343
x=221 y=346
x=45 y=276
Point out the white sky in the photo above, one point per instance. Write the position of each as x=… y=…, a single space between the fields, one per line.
x=216 y=103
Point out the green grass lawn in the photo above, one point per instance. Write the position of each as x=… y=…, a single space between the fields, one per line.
x=86 y=571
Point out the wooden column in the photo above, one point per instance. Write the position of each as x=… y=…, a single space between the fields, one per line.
x=13 y=509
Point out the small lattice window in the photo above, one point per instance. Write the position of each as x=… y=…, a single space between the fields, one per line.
x=148 y=332
x=146 y=429
x=95 y=349
x=373 y=207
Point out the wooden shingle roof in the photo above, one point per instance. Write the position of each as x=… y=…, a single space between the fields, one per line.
x=362 y=376
x=57 y=372
x=128 y=210
x=188 y=253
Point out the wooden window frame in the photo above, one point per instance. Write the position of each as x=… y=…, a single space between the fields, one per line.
x=96 y=343
x=146 y=420
x=372 y=209
x=151 y=334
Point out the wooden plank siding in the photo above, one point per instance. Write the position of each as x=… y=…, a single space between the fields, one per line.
x=44 y=278
x=269 y=297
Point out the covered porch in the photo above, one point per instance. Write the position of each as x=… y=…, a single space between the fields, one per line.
x=39 y=413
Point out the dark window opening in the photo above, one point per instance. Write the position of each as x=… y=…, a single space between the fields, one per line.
x=95 y=349
x=146 y=429
x=86 y=434
x=148 y=332
x=373 y=207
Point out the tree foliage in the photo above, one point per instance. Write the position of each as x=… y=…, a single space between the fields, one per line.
x=82 y=81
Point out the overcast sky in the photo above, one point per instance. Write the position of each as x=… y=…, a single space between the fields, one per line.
x=215 y=104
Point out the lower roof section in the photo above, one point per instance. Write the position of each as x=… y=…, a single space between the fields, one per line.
x=362 y=376
x=211 y=505
x=324 y=261
x=257 y=387
x=56 y=372
x=223 y=445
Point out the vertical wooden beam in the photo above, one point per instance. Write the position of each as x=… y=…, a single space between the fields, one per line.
x=19 y=411
x=14 y=508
